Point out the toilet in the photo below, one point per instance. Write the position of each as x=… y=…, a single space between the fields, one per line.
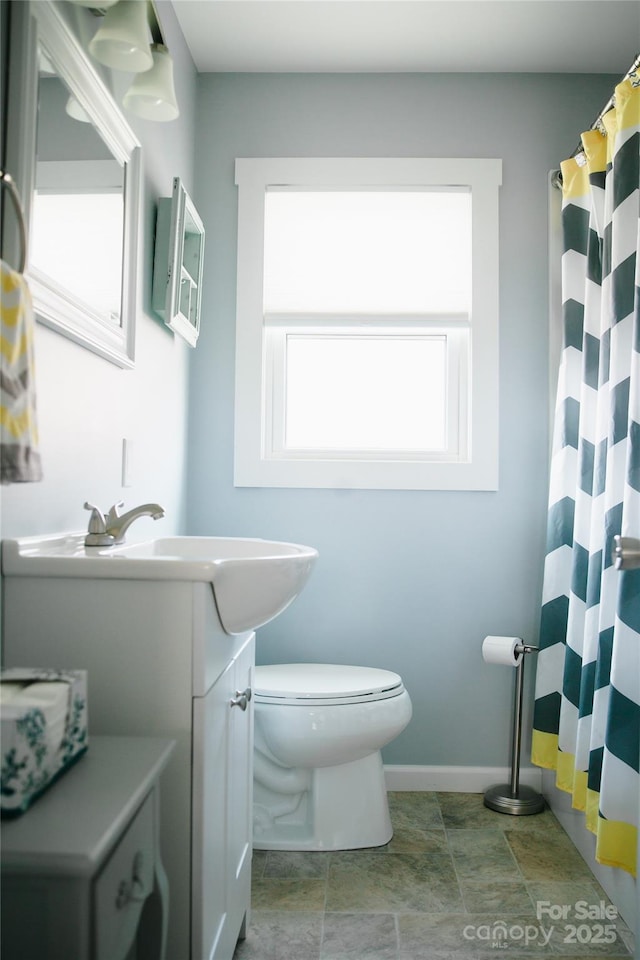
x=318 y=775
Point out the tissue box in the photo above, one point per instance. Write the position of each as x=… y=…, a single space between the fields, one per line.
x=43 y=731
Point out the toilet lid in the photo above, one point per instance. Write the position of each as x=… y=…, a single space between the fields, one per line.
x=306 y=682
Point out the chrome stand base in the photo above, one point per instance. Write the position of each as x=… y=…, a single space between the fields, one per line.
x=525 y=802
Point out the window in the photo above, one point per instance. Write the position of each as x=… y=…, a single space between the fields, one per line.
x=367 y=322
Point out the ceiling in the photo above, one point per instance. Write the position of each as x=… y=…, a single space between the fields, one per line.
x=407 y=36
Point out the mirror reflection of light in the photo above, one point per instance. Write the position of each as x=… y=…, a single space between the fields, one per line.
x=76 y=112
x=94 y=271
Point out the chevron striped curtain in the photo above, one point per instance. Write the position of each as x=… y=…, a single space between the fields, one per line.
x=587 y=699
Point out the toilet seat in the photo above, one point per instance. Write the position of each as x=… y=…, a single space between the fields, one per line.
x=323 y=684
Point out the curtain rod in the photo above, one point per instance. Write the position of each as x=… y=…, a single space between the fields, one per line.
x=610 y=102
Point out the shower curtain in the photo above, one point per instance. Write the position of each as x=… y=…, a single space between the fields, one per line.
x=587 y=698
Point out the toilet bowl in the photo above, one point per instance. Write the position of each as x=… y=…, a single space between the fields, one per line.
x=318 y=775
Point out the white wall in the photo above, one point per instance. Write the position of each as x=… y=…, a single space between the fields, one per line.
x=86 y=405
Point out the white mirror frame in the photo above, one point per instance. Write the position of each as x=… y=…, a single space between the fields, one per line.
x=42 y=22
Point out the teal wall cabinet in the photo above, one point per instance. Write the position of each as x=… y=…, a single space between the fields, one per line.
x=178 y=263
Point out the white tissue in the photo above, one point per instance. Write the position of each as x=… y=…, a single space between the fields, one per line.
x=502 y=650
x=9 y=691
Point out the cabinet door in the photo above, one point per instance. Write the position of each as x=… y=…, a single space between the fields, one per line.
x=240 y=791
x=222 y=803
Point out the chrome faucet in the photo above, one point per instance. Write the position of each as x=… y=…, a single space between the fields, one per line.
x=107 y=531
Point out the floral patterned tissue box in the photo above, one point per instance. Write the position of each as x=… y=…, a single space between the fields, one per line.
x=43 y=731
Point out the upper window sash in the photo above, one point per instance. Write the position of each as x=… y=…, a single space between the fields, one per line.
x=403 y=250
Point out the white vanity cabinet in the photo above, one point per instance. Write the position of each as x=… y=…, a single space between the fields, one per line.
x=223 y=740
x=159 y=664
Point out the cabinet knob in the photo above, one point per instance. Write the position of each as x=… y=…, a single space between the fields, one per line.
x=133 y=889
x=241 y=699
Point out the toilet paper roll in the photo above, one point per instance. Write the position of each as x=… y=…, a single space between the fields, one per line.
x=502 y=650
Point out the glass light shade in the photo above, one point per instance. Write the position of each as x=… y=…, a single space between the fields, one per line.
x=122 y=40
x=45 y=67
x=95 y=4
x=74 y=110
x=152 y=95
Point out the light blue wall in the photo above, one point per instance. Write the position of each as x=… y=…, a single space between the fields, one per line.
x=410 y=581
x=86 y=406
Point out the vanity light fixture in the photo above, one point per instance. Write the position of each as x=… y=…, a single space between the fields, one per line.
x=122 y=43
x=152 y=95
x=122 y=40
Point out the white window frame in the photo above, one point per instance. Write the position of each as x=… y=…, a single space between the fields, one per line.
x=260 y=460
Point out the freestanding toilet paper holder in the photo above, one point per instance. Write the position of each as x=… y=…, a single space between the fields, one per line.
x=512 y=797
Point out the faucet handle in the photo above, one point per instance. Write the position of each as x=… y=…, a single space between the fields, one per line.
x=97 y=535
x=97 y=523
x=114 y=512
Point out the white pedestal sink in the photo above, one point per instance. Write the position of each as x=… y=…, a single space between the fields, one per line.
x=253 y=580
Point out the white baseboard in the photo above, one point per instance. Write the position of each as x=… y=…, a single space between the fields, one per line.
x=455 y=779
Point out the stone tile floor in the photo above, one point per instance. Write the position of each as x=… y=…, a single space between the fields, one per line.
x=456 y=881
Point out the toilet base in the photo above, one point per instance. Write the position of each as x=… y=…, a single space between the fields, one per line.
x=345 y=808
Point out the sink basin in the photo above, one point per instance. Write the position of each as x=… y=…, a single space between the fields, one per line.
x=253 y=580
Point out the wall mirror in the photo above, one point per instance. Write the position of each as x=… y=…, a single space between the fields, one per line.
x=79 y=167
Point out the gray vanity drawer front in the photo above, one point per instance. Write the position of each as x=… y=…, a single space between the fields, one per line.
x=123 y=886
